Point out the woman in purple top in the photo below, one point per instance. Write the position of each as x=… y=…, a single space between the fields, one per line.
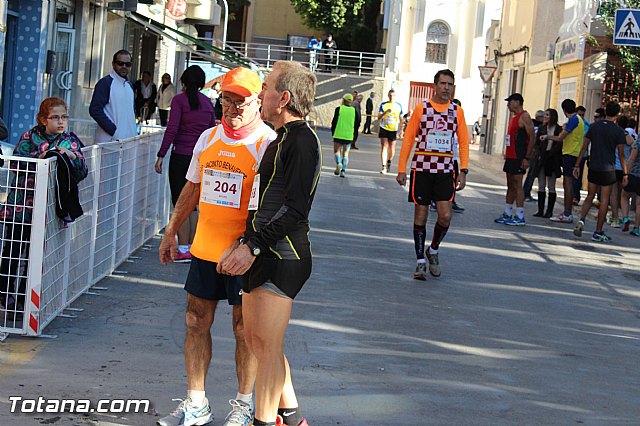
x=191 y=114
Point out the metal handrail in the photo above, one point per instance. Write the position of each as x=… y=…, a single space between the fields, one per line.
x=345 y=61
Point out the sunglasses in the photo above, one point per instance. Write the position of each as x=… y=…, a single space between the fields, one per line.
x=596 y=116
x=123 y=64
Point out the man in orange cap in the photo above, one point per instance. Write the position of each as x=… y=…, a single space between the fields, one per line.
x=220 y=181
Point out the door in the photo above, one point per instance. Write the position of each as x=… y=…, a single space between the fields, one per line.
x=63 y=72
x=419 y=92
x=8 y=77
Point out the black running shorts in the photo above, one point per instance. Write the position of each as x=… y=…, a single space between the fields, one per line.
x=426 y=187
x=513 y=166
x=602 y=178
x=568 y=163
x=287 y=275
x=384 y=133
x=205 y=282
x=633 y=185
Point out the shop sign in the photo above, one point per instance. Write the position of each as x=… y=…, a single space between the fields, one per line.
x=569 y=50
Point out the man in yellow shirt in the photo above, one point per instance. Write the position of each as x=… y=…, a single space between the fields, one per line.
x=221 y=182
x=572 y=137
x=435 y=123
x=390 y=114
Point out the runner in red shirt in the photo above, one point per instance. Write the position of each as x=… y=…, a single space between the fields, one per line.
x=519 y=143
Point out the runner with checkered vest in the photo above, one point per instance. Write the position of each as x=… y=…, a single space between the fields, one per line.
x=435 y=123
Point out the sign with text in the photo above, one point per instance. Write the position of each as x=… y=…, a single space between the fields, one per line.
x=569 y=50
x=627 y=31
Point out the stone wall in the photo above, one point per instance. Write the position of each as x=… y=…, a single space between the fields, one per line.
x=331 y=88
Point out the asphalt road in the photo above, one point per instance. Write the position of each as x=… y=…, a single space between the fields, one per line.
x=525 y=326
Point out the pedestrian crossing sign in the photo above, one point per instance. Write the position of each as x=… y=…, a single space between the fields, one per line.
x=627 y=30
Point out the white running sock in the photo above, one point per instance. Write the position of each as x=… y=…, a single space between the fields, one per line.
x=431 y=250
x=508 y=209
x=197 y=397
x=183 y=249
x=247 y=398
x=520 y=212
x=422 y=261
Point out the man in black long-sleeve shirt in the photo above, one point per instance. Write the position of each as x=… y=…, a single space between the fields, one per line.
x=276 y=251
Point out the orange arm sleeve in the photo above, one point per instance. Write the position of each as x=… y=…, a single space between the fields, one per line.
x=409 y=140
x=463 y=140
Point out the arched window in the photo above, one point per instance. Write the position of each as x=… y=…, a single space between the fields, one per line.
x=437 y=43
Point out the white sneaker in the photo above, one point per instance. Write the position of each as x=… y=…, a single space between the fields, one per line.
x=188 y=415
x=240 y=414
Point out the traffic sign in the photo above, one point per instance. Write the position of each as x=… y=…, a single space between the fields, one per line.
x=627 y=30
x=486 y=73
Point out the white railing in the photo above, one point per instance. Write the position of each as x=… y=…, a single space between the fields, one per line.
x=125 y=203
x=366 y=64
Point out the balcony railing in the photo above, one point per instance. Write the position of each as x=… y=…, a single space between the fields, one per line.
x=366 y=64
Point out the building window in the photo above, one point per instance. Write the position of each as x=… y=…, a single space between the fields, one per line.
x=437 y=43
x=567 y=90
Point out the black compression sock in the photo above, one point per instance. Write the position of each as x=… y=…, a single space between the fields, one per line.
x=419 y=237
x=257 y=422
x=439 y=232
x=290 y=416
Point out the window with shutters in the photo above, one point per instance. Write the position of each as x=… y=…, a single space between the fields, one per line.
x=437 y=43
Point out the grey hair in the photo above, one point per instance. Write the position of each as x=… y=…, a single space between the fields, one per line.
x=299 y=82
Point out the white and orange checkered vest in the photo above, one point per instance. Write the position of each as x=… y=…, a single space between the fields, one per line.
x=437 y=157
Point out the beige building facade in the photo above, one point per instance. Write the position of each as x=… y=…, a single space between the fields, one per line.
x=522 y=49
x=273 y=22
x=548 y=50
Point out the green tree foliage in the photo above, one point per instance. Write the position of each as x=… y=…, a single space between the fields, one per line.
x=355 y=24
x=327 y=15
x=629 y=55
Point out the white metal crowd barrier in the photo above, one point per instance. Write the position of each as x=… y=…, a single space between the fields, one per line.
x=46 y=266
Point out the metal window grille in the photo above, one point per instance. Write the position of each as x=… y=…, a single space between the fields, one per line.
x=436 y=53
x=437 y=43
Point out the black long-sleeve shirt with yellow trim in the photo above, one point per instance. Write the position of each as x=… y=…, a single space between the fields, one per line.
x=289 y=173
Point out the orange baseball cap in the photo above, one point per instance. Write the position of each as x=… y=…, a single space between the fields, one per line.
x=242 y=81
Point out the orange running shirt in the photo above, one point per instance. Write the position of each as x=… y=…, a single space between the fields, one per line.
x=413 y=127
x=225 y=169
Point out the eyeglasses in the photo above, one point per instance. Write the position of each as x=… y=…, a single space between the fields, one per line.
x=240 y=105
x=58 y=118
x=596 y=117
x=123 y=64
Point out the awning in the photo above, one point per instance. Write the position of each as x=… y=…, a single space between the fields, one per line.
x=209 y=53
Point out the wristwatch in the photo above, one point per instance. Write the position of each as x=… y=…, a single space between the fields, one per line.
x=255 y=250
x=465 y=171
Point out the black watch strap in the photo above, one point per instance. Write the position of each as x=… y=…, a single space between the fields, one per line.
x=255 y=249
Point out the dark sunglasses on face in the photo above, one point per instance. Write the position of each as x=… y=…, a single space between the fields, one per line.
x=596 y=116
x=123 y=64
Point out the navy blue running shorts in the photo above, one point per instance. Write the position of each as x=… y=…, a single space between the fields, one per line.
x=205 y=282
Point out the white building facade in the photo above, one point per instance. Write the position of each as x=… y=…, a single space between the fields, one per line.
x=425 y=36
